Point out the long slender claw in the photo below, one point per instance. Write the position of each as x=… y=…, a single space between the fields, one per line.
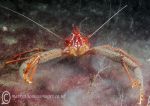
x=28 y=81
x=32 y=73
x=17 y=60
x=134 y=83
x=30 y=69
x=29 y=51
x=25 y=76
x=141 y=98
x=19 y=57
x=127 y=71
x=128 y=62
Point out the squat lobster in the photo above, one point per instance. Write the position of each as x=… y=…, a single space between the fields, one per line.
x=76 y=45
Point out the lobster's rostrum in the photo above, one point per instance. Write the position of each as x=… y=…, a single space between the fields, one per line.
x=77 y=44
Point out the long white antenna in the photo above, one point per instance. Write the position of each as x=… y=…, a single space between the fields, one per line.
x=82 y=22
x=31 y=21
x=106 y=21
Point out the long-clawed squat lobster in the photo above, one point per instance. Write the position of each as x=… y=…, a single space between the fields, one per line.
x=76 y=45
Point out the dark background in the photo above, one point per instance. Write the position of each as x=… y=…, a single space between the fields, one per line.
x=76 y=10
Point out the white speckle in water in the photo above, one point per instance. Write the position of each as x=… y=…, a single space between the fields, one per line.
x=73 y=98
x=5 y=28
x=9 y=40
x=148 y=60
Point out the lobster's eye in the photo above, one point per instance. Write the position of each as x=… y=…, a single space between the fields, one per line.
x=67 y=42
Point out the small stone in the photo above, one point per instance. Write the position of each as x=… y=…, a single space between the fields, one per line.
x=9 y=40
x=5 y=28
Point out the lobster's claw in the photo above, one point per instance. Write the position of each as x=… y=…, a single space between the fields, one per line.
x=141 y=98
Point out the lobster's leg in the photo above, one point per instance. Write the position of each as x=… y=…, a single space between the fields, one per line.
x=32 y=73
x=17 y=60
x=127 y=71
x=28 y=51
x=18 y=57
x=30 y=68
x=127 y=61
x=135 y=83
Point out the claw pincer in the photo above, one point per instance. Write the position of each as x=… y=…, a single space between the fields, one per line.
x=28 y=68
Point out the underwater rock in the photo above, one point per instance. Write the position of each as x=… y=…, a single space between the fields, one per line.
x=9 y=40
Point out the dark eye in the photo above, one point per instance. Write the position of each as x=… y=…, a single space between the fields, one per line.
x=67 y=42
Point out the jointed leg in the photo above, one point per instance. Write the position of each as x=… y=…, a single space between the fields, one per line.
x=19 y=57
x=30 y=69
x=126 y=70
x=138 y=82
x=135 y=83
x=28 y=51
x=17 y=60
x=126 y=60
x=32 y=73
x=138 y=75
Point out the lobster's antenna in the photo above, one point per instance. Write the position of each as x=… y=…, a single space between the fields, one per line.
x=106 y=21
x=82 y=21
x=32 y=21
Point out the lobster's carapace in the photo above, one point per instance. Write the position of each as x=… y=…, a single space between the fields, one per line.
x=76 y=44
